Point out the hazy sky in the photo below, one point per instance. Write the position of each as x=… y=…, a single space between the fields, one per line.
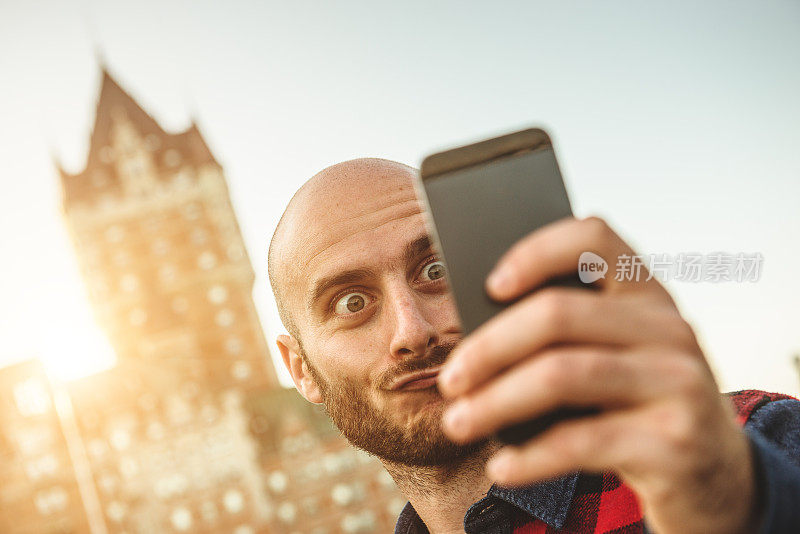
x=677 y=121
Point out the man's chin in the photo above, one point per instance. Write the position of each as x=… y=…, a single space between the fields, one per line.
x=418 y=440
x=421 y=443
x=441 y=454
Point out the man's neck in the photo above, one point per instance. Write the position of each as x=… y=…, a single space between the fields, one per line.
x=441 y=495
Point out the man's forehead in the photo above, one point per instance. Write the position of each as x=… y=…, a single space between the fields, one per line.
x=345 y=212
x=360 y=233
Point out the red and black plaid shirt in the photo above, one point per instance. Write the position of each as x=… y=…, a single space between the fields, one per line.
x=577 y=503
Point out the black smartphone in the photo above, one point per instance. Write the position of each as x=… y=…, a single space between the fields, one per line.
x=481 y=199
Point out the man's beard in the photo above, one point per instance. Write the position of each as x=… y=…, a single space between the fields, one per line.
x=369 y=429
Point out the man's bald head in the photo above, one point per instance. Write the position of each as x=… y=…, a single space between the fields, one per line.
x=327 y=197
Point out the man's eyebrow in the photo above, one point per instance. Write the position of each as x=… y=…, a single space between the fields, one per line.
x=322 y=285
x=416 y=247
x=412 y=250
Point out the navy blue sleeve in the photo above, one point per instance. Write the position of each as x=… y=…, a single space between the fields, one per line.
x=774 y=430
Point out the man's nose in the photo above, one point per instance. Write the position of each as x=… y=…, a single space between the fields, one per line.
x=413 y=333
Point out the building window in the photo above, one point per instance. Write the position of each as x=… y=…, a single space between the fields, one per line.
x=241 y=370
x=207 y=260
x=233 y=500
x=51 y=500
x=287 y=512
x=278 y=481
x=170 y=485
x=332 y=462
x=35 y=440
x=342 y=494
x=224 y=318
x=181 y=518
x=120 y=439
x=44 y=466
x=217 y=294
x=361 y=522
x=116 y=511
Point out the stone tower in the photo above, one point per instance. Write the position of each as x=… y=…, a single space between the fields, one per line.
x=160 y=249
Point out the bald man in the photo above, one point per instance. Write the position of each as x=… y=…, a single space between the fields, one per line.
x=374 y=336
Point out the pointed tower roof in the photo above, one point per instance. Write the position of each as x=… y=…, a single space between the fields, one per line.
x=193 y=141
x=114 y=100
x=115 y=103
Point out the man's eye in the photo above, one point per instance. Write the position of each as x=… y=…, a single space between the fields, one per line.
x=433 y=271
x=351 y=303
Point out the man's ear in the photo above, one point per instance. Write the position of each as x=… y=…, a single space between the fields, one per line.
x=290 y=351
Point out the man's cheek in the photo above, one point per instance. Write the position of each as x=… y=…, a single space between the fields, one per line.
x=445 y=313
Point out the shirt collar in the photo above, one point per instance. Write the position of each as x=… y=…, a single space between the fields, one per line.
x=548 y=501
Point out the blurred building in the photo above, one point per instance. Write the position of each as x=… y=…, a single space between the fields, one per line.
x=319 y=483
x=40 y=492
x=160 y=249
x=191 y=430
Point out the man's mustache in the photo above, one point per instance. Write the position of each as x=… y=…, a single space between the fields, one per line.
x=435 y=357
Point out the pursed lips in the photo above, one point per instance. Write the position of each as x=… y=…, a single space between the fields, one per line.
x=424 y=380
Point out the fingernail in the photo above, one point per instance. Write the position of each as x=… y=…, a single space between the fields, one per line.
x=456 y=417
x=499 y=280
